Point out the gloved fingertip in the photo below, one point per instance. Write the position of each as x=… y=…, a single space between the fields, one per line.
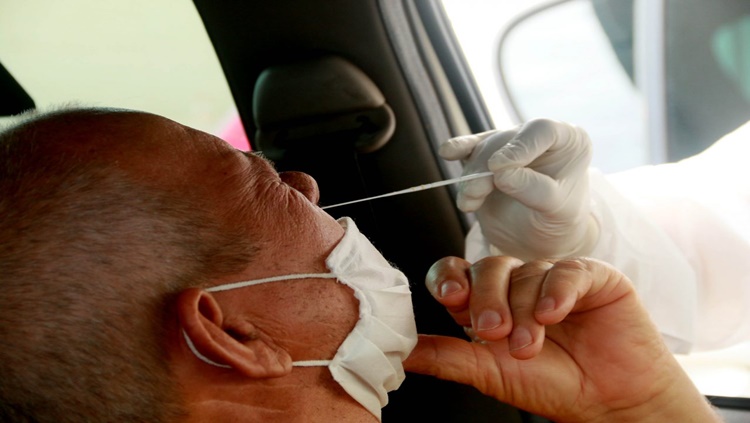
x=500 y=160
x=453 y=149
x=478 y=188
x=468 y=204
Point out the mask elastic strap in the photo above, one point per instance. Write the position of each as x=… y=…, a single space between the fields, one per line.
x=202 y=357
x=237 y=285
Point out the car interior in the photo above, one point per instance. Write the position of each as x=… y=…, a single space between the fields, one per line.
x=359 y=94
x=355 y=94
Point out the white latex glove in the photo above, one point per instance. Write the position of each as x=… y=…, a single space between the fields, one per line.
x=541 y=207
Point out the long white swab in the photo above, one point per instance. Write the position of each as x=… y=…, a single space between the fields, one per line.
x=416 y=188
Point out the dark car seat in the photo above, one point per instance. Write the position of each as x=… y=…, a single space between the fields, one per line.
x=13 y=98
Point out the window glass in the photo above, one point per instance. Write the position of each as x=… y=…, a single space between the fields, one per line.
x=554 y=62
x=137 y=54
x=560 y=63
x=731 y=46
x=706 y=67
x=580 y=61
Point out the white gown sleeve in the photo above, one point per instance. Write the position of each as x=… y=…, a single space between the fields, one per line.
x=703 y=205
x=681 y=233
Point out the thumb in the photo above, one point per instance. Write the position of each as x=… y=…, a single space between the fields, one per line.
x=534 y=139
x=534 y=190
x=455 y=360
x=459 y=148
x=471 y=194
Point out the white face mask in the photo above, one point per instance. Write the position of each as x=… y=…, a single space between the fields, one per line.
x=368 y=363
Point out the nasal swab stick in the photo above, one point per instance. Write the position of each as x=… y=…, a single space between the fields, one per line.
x=416 y=188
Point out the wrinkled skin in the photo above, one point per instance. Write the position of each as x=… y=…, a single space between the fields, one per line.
x=568 y=340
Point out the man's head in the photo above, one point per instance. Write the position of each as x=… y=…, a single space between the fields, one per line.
x=111 y=222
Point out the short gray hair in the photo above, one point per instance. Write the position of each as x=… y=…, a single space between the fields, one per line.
x=89 y=264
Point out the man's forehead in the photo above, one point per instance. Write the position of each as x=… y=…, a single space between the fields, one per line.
x=148 y=148
x=89 y=128
x=137 y=136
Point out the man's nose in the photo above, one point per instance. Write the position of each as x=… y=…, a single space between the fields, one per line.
x=303 y=183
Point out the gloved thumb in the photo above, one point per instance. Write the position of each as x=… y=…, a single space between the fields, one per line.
x=534 y=190
x=471 y=194
x=460 y=148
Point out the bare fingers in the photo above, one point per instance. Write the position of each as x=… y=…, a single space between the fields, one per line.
x=476 y=295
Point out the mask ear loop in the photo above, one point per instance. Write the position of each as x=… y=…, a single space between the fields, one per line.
x=201 y=356
x=237 y=285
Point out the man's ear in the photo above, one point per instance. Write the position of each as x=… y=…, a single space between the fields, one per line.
x=243 y=349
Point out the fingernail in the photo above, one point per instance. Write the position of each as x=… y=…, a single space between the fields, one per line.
x=448 y=288
x=545 y=304
x=488 y=320
x=520 y=338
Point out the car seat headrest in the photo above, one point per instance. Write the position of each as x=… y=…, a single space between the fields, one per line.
x=13 y=98
x=319 y=104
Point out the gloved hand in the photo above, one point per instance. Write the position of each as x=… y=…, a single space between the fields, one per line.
x=541 y=204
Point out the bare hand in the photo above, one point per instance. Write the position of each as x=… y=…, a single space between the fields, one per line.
x=568 y=340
